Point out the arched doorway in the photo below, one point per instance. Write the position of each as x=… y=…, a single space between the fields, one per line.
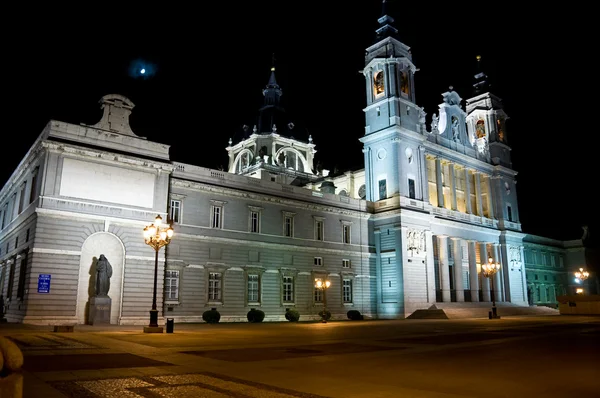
x=113 y=249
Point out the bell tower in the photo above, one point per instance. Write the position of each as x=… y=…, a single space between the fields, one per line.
x=393 y=121
x=486 y=126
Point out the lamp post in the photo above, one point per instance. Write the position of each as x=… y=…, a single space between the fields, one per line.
x=581 y=275
x=157 y=236
x=489 y=270
x=323 y=286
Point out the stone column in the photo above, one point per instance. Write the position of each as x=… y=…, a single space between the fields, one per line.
x=452 y=186
x=478 y=194
x=429 y=267
x=490 y=199
x=400 y=246
x=473 y=277
x=467 y=192
x=378 y=273
x=438 y=182
x=444 y=268
x=424 y=183
x=498 y=277
x=459 y=286
x=485 y=282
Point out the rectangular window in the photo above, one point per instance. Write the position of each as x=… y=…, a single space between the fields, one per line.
x=175 y=211
x=255 y=221
x=253 y=289
x=11 y=279
x=33 y=193
x=4 y=215
x=345 y=263
x=382 y=189
x=347 y=290
x=553 y=260
x=27 y=235
x=411 y=188
x=318 y=261
x=318 y=295
x=22 y=275
x=22 y=197
x=172 y=285
x=288 y=289
x=346 y=233
x=319 y=230
x=214 y=286
x=509 y=212
x=216 y=216
x=288 y=226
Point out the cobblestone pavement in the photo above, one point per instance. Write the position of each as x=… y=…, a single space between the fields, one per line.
x=374 y=359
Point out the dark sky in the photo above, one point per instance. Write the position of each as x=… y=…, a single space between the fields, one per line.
x=210 y=64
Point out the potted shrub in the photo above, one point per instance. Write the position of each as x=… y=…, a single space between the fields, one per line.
x=354 y=315
x=255 y=316
x=292 y=314
x=211 y=316
x=327 y=315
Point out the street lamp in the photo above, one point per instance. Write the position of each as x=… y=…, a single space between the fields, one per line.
x=489 y=270
x=157 y=236
x=323 y=285
x=581 y=275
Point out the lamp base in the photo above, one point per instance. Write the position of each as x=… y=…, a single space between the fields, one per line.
x=153 y=318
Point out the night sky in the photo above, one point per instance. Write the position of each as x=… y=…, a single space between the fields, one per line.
x=206 y=68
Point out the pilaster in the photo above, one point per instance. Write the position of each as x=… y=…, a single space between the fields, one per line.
x=444 y=267
x=452 y=185
x=438 y=181
x=458 y=272
x=468 y=192
x=473 y=279
x=485 y=282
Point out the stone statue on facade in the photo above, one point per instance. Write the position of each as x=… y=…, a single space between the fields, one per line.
x=104 y=272
x=455 y=131
x=435 y=122
x=101 y=303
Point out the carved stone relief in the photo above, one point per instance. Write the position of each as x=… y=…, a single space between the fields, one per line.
x=415 y=242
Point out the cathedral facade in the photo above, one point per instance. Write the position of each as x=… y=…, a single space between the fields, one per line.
x=434 y=204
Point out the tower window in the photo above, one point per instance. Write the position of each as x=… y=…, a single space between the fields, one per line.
x=411 y=188
x=509 y=212
x=378 y=83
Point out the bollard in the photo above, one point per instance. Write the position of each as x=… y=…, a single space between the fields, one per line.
x=170 y=322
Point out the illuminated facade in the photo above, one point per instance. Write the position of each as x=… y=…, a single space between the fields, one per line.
x=408 y=231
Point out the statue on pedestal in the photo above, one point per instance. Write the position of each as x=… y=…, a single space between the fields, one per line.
x=103 y=274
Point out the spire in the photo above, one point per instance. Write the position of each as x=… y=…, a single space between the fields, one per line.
x=271 y=111
x=481 y=84
x=272 y=92
x=385 y=29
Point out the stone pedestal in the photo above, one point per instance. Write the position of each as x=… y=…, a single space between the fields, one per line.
x=100 y=311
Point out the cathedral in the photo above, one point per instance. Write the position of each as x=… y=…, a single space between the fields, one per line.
x=431 y=219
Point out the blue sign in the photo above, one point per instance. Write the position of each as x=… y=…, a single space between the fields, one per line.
x=44 y=283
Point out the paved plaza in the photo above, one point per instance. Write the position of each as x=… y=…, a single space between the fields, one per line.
x=520 y=356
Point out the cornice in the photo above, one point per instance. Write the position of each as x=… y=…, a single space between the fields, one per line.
x=268 y=245
x=233 y=193
x=16 y=176
x=108 y=156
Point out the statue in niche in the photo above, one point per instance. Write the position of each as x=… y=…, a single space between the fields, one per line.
x=455 y=131
x=104 y=272
x=435 y=122
x=480 y=129
x=378 y=83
